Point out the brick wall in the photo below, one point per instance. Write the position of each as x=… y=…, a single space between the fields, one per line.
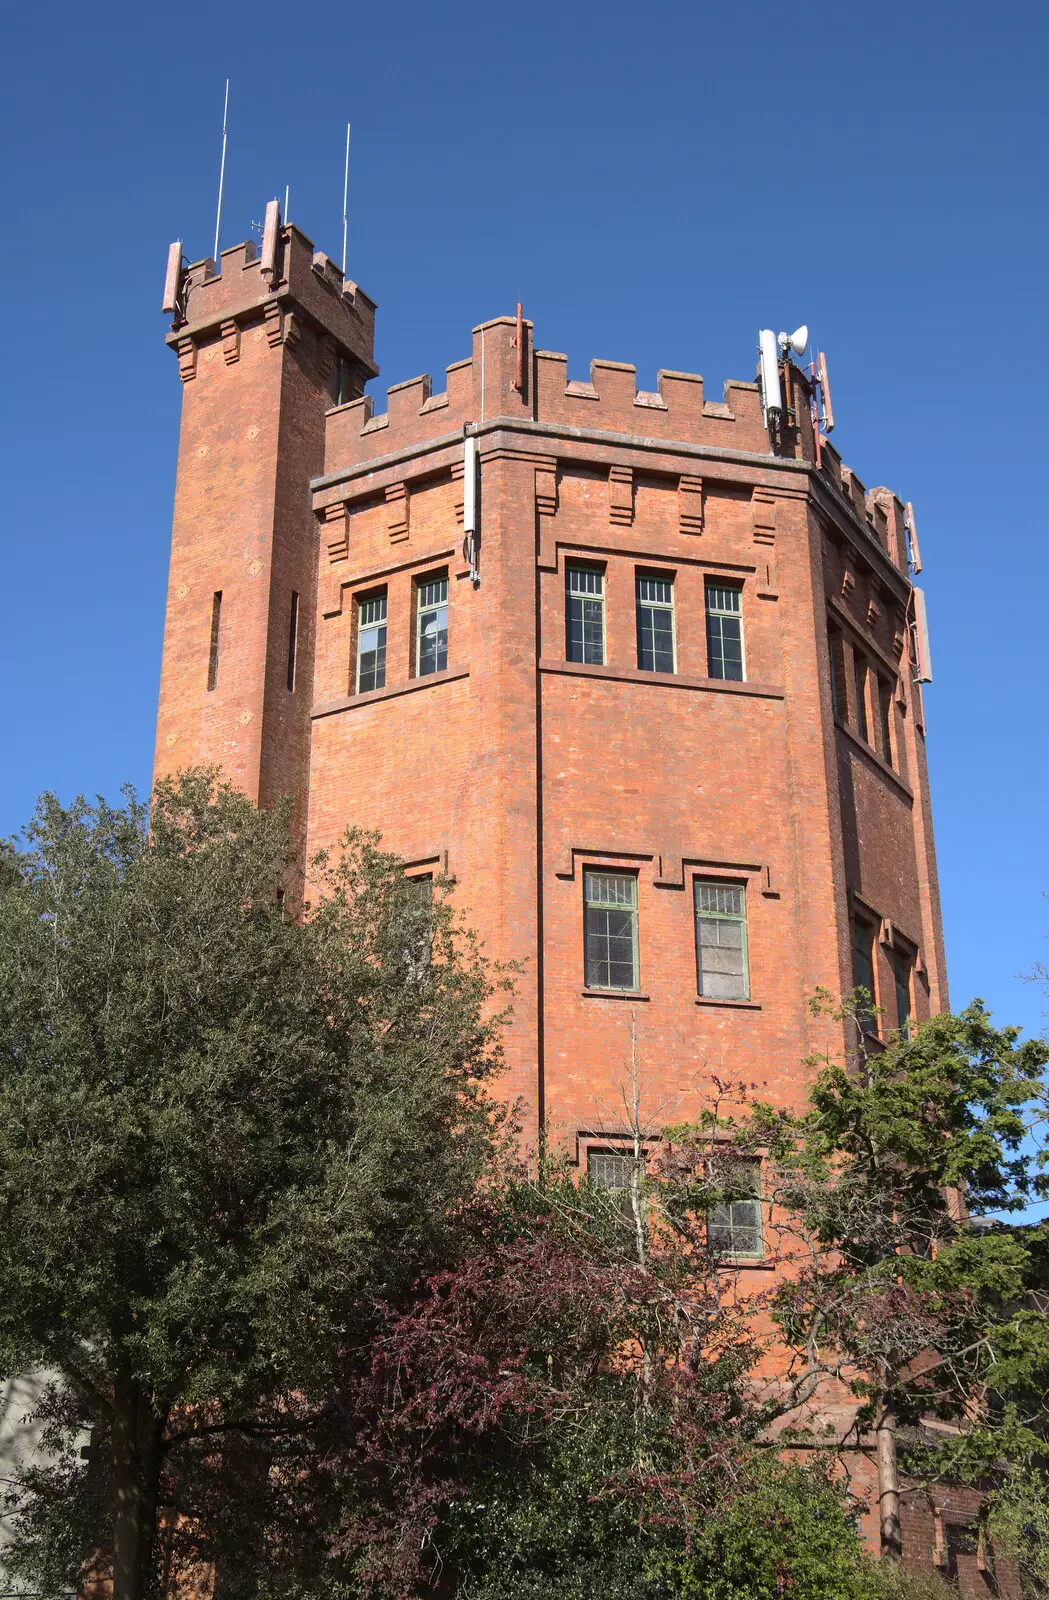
x=513 y=769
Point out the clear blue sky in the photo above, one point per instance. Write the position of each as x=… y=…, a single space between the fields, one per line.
x=655 y=182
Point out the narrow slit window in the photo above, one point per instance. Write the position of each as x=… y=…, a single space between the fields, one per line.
x=432 y=643
x=371 y=643
x=293 y=639
x=585 y=615
x=885 y=709
x=902 y=967
x=837 y=691
x=863 y=974
x=213 y=655
x=610 y=930
x=655 y=624
x=418 y=952
x=734 y=1228
x=860 y=674
x=725 y=631
x=722 y=964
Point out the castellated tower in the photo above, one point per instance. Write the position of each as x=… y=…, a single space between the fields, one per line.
x=657 y=716
x=265 y=346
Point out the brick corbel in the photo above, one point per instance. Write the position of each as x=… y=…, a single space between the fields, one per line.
x=763 y=517
x=546 y=491
x=274 y=324
x=690 y=504
x=546 y=509
x=336 y=530
x=230 y=342
x=621 y=496
x=325 y=357
x=458 y=472
x=187 y=359
x=397 y=512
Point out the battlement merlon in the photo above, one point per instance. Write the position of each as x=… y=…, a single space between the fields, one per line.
x=485 y=385
x=303 y=284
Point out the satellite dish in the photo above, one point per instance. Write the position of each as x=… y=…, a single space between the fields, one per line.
x=796 y=341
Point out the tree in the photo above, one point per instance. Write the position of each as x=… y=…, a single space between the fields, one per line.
x=891 y=1286
x=569 y=1410
x=228 y=1134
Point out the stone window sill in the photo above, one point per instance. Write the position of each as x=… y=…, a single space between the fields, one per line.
x=613 y=994
x=327 y=708
x=733 y=1005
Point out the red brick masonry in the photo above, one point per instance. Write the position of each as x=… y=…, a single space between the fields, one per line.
x=514 y=769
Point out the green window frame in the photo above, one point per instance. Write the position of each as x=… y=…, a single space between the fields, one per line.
x=724 y=602
x=722 y=953
x=655 y=623
x=610 y=930
x=735 y=1229
x=585 y=615
x=371 y=643
x=431 y=653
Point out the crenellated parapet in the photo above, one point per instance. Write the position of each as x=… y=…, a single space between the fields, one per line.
x=291 y=292
x=484 y=387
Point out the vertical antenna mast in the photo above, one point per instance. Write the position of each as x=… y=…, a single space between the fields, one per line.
x=345 y=198
x=287 y=202
x=222 y=176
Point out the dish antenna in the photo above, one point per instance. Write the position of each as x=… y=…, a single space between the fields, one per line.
x=798 y=341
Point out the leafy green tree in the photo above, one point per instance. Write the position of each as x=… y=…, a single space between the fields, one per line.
x=228 y=1134
x=893 y=1288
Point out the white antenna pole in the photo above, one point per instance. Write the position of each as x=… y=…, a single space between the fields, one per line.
x=222 y=176
x=345 y=198
x=287 y=201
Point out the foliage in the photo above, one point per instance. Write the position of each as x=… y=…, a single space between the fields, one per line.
x=891 y=1287
x=227 y=1133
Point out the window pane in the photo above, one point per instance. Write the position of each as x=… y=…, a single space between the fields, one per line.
x=836 y=694
x=585 y=580
x=863 y=972
x=655 y=638
x=433 y=636
x=724 y=647
x=722 y=968
x=658 y=590
x=611 y=888
x=734 y=1229
x=726 y=898
x=371 y=659
x=902 y=974
x=609 y=1169
x=371 y=643
x=585 y=616
x=610 y=923
x=728 y=599
x=433 y=594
